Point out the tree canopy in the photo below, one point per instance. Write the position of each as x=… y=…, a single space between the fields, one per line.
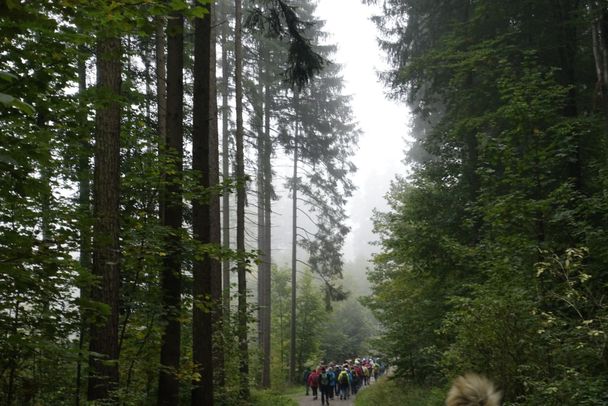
x=491 y=251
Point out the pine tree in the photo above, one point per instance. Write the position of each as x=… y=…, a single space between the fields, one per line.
x=171 y=215
x=202 y=326
x=240 y=209
x=103 y=344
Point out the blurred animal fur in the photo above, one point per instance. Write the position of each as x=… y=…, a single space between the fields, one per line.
x=473 y=390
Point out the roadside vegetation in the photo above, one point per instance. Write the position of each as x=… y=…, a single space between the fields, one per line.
x=271 y=398
x=389 y=391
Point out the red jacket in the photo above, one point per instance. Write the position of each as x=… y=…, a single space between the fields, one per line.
x=313 y=380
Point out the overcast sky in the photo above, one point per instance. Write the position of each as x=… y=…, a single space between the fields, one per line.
x=383 y=122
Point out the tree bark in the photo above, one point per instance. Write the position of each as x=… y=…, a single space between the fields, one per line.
x=267 y=248
x=171 y=216
x=84 y=203
x=202 y=328
x=240 y=209
x=161 y=81
x=599 y=32
x=215 y=229
x=225 y=169
x=294 y=248
x=103 y=344
x=261 y=215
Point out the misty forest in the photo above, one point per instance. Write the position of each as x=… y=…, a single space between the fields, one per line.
x=177 y=189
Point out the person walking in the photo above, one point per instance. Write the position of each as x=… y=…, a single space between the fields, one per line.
x=332 y=381
x=324 y=385
x=343 y=381
x=355 y=380
x=305 y=378
x=313 y=382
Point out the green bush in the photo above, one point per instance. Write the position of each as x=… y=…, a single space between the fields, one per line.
x=271 y=398
x=396 y=392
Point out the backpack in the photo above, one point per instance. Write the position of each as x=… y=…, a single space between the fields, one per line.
x=343 y=377
x=324 y=379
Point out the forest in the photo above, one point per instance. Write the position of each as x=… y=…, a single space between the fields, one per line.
x=493 y=253
x=145 y=146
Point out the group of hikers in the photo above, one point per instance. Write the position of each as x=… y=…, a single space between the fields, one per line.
x=341 y=379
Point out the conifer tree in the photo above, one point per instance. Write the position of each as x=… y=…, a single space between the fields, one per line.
x=240 y=208
x=320 y=134
x=202 y=326
x=103 y=344
x=171 y=215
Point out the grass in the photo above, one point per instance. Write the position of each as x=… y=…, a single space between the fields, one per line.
x=293 y=390
x=271 y=398
x=393 y=392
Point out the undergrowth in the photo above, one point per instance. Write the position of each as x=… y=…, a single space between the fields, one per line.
x=271 y=398
x=394 y=392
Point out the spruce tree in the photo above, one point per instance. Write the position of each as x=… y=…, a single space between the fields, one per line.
x=171 y=216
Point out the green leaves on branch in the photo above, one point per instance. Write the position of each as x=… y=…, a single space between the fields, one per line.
x=7 y=100
x=478 y=268
x=280 y=20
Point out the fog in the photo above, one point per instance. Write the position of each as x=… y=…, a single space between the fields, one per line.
x=384 y=132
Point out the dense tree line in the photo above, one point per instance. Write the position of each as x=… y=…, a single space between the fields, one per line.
x=115 y=267
x=493 y=250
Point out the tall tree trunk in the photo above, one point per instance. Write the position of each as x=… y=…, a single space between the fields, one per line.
x=161 y=81
x=171 y=216
x=259 y=120
x=225 y=167
x=599 y=32
x=84 y=192
x=294 y=247
x=240 y=209
x=202 y=328
x=103 y=344
x=225 y=225
x=12 y=359
x=267 y=263
x=215 y=230
x=268 y=246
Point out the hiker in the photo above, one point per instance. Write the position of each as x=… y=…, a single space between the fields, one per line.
x=313 y=382
x=324 y=385
x=343 y=381
x=355 y=381
x=305 y=378
x=337 y=371
x=376 y=371
x=332 y=382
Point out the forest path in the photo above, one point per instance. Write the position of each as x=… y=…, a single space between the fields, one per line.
x=308 y=400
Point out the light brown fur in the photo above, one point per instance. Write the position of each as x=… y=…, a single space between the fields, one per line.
x=473 y=390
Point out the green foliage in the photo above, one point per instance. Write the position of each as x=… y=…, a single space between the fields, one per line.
x=10 y=101
x=481 y=265
x=46 y=51
x=269 y=398
x=325 y=135
x=281 y=318
x=312 y=318
x=311 y=313
x=279 y=19
x=348 y=331
x=390 y=391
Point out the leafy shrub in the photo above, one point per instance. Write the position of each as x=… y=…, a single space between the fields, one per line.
x=270 y=398
x=396 y=392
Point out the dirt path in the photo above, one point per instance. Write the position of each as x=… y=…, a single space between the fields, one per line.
x=308 y=401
